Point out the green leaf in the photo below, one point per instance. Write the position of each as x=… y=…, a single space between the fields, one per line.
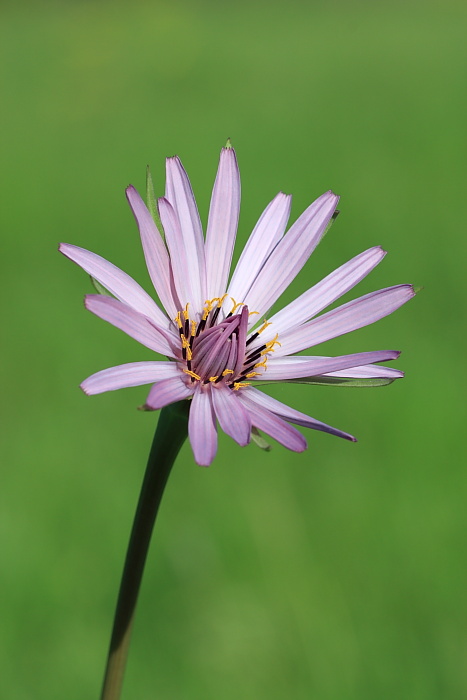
x=152 y=203
x=259 y=440
x=341 y=381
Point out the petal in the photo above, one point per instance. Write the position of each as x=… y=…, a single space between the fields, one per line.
x=130 y=322
x=168 y=391
x=185 y=274
x=222 y=224
x=233 y=418
x=130 y=374
x=202 y=427
x=355 y=314
x=259 y=399
x=272 y=424
x=180 y=195
x=281 y=368
x=290 y=254
x=266 y=234
x=327 y=291
x=116 y=282
x=155 y=253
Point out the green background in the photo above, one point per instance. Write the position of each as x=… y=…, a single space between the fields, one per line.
x=337 y=574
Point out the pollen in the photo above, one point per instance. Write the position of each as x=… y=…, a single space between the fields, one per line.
x=192 y=374
x=236 y=305
x=264 y=326
x=274 y=341
x=262 y=363
x=239 y=385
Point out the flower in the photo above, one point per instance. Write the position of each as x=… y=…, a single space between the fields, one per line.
x=219 y=349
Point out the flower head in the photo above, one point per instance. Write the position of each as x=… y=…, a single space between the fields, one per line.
x=219 y=346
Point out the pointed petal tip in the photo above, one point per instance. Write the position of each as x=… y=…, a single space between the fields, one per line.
x=66 y=248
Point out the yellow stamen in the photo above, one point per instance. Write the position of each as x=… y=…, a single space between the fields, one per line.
x=252 y=374
x=207 y=308
x=227 y=371
x=192 y=374
x=186 y=346
x=270 y=345
x=238 y=385
x=220 y=300
x=236 y=305
x=178 y=320
x=264 y=326
x=185 y=310
x=261 y=364
x=193 y=328
x=250 y=313
x=213 y=379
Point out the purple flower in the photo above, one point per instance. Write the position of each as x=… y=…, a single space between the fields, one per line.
x=218 y=347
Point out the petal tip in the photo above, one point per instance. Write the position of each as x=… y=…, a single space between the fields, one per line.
x=84 y=388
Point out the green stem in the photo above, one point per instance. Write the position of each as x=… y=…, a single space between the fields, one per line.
x=171 y=432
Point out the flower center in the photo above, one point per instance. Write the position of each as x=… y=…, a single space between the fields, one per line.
x=215 y=347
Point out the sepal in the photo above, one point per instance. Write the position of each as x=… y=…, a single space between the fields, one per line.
x=258 y=439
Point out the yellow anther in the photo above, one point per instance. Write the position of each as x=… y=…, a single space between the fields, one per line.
x=227 y=371
x=208 y=304
x=264 y=326
x=238 y=385
x=192 y=374
x=178 y=320
x=186 y=346
x=185 y=310
x=270 y=345
x=261 y=364
x=220 y=300
x=213 y=379
x=193 y=328
x=252 y=374
x=250 y=313
x=236 y=304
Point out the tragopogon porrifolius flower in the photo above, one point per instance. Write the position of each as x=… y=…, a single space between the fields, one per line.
x=219 y=346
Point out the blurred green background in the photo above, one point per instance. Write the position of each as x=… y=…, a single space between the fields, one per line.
x=338 y=574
